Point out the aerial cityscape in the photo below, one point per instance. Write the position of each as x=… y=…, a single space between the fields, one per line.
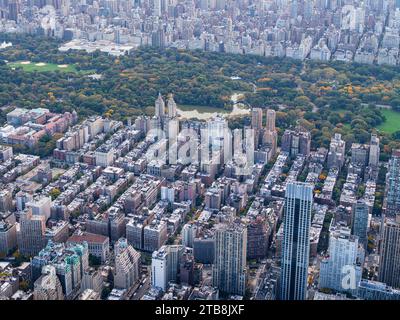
x=200 y=150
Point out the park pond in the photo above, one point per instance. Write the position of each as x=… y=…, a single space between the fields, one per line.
x=205 y=113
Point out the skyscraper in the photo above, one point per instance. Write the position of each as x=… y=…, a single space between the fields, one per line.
x=6 y=201
x=48 y=286
x=165 y=265
x=31 y=233
x=296 y=142
x=69 y=261
x=40 y=206
x=127 y=264
x=257 y=238
x=256 y=124
x=343 y=250
x=13 y=10
x=337 y=152
x=189 y=232
x=270 y=136
x=8 y=236
x=296 y=241
x=256 y=118
x=393 y=184
x=158 y=38
x=374 y=151
x=160 y=107
x=159 y=269
x=219 y=140
x=359 y=154
x=220 y=4
x=229 y=269
x=171 y=106
x=271 y=116
x=389 y=268
x=360 y=221
x=157 y=8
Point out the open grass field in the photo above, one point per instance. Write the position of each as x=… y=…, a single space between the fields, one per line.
x=392 y=123
x=29 y=66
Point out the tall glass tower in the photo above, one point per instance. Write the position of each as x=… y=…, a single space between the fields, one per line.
x=229 y=270
x=389 y=270
x=393 y=185
x=296 y=241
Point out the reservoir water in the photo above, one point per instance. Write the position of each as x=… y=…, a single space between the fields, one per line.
x=205 y=113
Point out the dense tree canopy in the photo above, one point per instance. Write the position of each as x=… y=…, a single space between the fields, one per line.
x=323 y=97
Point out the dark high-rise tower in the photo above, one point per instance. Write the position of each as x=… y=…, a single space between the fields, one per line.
x=229 y=270
x=296 y=241
x=389 y=267
x=393 y=185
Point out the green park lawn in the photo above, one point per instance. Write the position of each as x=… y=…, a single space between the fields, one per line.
x=33 y=66
x=392 y=123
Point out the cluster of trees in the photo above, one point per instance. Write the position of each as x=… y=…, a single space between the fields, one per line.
x=43 y=148
x=323 y=97
x=129 y=84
